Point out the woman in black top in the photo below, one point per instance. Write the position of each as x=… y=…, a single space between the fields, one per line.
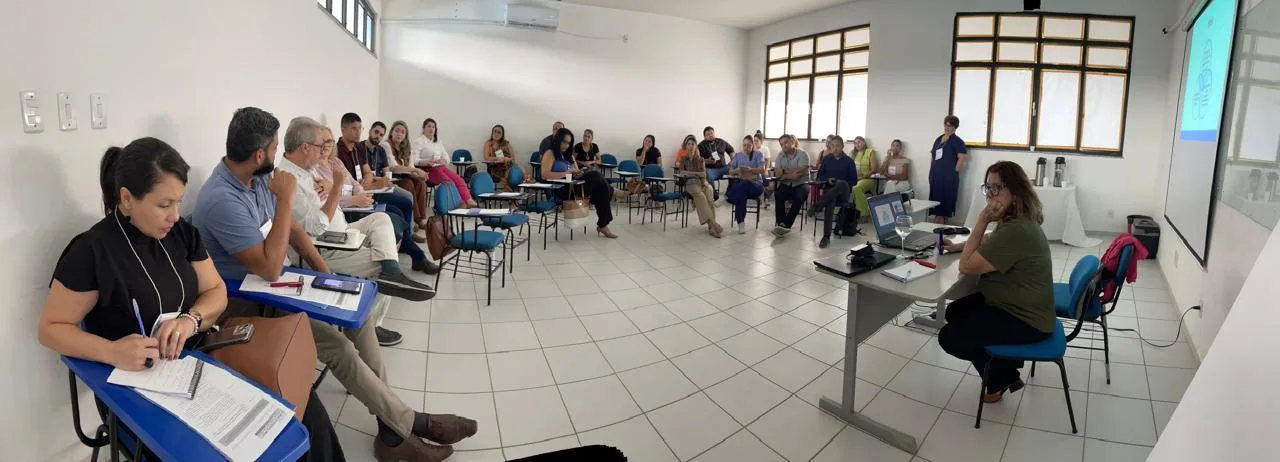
x=648 y=153
x=143 y=256
x=587 y=153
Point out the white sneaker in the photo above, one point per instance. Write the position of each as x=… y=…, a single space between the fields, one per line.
x=742 y=228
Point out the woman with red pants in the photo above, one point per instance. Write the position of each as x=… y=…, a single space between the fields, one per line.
x=429 y=153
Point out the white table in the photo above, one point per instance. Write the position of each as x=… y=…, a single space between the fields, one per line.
x=919 y=209
x=1061 y=216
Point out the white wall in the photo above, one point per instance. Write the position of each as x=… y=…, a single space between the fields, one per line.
x=670 y=78
x=910 y=86
x=174 y=70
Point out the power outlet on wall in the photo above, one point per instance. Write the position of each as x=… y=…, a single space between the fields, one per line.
x=1111 y=214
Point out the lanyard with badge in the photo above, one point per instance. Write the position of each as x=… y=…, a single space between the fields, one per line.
x=164 y=316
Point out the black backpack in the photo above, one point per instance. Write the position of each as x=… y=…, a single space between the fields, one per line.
x=847 y=221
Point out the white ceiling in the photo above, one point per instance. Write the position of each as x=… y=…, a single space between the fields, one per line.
x=745 y=14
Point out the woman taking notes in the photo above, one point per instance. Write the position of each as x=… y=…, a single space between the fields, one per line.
x=949 y=156
x=1014 y=302
x=140 y=280
x=558 y=162
x=498 y=154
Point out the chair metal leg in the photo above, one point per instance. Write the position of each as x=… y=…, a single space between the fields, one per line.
x=488 y=269
x=1066 y=391
x=982 y=390
x=1106 y=347
x=323 y=373
x=1033 y=369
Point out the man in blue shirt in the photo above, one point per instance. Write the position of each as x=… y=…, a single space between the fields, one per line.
x=838 y=171
x=246 y=224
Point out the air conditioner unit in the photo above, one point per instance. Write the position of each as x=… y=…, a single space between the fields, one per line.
x=533 y=16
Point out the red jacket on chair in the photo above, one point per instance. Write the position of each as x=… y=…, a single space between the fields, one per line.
x=1111 y=262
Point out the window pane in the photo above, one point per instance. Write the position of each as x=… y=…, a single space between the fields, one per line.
x=1103 y=111
x=369 y=32
x=973 y=51
x=856 y=60
x=1019 y=26
x=1016 y=52
x=1063 y=28
x=1108 y=57
x=802 y=47
x=802 y=67
x=1109 y=29
x=825 y=98
x=1011 y=111
x=798 y=107
x=323 y=2
x=1058 y=110
x=970 y=102
x=1060 y=54
x=351 y=16
x=853 y=106
x=827 y=63
x=777 y=71
x=857 y=37
x=829 y=43
x=1257 y=142
x=360 y=22
x=778 y=52
x=775 y=108
x=976 y=26
x=336 y=9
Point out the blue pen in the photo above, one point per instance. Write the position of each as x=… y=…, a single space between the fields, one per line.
x=141 y=327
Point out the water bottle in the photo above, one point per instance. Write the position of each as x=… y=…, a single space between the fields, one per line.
x=1041 y=166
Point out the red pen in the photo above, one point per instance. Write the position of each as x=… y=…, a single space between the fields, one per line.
x=925 y=264
x=285 y=284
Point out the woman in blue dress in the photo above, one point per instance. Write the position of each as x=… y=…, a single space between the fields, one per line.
x=949 y=157
x=558 y=161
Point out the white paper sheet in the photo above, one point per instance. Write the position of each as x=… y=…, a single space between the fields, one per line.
x=380 y=191
x=341 y=300
x=481 y=213
x=170 y=377
x=502 y=194
x=237 y=418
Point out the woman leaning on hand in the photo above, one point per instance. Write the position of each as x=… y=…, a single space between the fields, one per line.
x=143 y=256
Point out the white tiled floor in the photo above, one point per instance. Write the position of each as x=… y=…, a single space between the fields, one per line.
x=676 y=346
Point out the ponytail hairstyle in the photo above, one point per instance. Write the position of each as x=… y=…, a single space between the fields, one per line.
x=137 y=168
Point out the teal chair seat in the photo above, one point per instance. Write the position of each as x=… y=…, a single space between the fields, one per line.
x=669 y=196
x=476 y=240
x=542 y=206
x=1051 y=348
x=506 y=221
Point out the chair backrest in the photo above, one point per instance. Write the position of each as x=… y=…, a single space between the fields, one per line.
x=481 y=183
x=1085 y=289
x=652 y=171
x=609 y=159
x=515 y=176
x=1126 y=257
x=461 y=155
x=447 y=198
x=536 y=158
x=629 y=166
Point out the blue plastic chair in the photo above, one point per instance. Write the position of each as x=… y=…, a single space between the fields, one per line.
x=461 y=155
x=608 y=158
x=535 y=163
x=1094 y=312
x=472 y=241
x=482 y=183
x=1053 y=348
x=664 y=198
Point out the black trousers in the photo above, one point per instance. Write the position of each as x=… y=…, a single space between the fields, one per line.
x=972 y=325
x=833 y=197
x=325 y=446
x=783 y=215
x=598 y=192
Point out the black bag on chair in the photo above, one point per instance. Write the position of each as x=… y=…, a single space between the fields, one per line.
x=847 y=222
x=467 y=172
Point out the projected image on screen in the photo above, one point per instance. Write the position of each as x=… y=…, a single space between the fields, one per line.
x=1189 y=197
x=1206 y=74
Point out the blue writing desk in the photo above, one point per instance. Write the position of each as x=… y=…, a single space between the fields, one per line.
x=164 y=434
x=324 y=313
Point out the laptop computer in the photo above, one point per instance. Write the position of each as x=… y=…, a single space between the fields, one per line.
x=884 y=210
x=842 y=265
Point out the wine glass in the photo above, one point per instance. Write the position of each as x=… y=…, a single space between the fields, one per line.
x=902 y=226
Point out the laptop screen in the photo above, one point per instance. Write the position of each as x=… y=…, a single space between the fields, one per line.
x=884 y=209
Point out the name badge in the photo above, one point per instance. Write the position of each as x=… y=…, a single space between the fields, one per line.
x=938 y=155
x=346 y=189
x=893 y=170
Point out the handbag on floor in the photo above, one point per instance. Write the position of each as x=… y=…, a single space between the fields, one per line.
x=438 y=237
x=575 y=213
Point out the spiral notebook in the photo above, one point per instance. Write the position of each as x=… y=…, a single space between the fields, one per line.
x=908 y=272
x=178 y=377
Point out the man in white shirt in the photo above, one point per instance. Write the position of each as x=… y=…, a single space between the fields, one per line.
x=379 y=252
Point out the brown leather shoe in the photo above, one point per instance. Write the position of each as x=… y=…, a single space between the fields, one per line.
x=449 y=428
x=411 y=450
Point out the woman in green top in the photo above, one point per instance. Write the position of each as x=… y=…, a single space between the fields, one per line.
x=1014 y=303
x=868 y=165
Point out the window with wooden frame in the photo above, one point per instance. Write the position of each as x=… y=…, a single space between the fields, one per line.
x=1042 y=81
x=817 y=85
x=357 y=17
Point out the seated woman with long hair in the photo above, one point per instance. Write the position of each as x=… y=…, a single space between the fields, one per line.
x=499 y=155
x=414 y=179
x=896 y=169
x=558 y=162
x=426 y=151
x=694 y=169
x=1014 y=302
x=143 y=256
x=648 y=153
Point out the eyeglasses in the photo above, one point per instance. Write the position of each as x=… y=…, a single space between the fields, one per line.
x=324 y=144
x=992 y=189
